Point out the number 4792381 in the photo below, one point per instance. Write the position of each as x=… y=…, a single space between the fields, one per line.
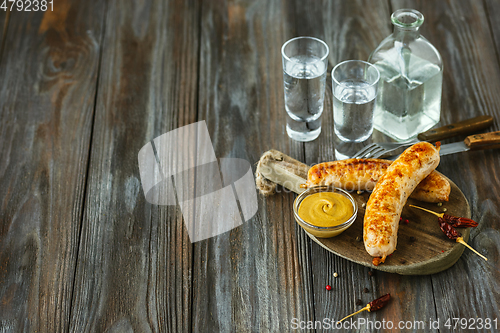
x=27 y=5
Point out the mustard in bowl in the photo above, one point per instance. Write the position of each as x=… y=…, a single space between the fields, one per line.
x=325 y=211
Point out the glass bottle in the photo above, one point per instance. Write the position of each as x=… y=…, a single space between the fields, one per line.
x=411 y=78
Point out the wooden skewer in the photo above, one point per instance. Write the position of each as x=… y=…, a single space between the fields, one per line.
x=429 y=211
x=366 y=308
x=461 y=241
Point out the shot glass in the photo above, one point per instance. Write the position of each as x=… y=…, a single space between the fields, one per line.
x=305 y=60
x=354 y=85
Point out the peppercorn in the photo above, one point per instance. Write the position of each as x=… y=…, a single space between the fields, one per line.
x=328 y=287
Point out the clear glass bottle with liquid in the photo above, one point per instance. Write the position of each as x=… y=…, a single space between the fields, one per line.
x=411 y=77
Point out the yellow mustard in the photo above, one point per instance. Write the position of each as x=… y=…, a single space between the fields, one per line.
x=325 y=209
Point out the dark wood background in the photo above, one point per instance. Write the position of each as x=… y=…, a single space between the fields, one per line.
x=86 y=86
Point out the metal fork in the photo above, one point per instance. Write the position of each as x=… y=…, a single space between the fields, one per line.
x=379 y=149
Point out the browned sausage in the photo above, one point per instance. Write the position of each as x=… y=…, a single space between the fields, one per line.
x=363 y=174
x=387 y=200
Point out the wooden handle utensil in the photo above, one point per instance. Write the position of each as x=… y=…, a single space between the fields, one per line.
x=472 y=125
x=478 y=140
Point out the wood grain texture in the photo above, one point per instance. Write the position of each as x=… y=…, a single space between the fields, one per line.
x=153 y=66
x=460 y=31
x=49 y=75
x=354 y=36
x=256 y=277
x=492 y=8
x=135 y=259
x=4 y=22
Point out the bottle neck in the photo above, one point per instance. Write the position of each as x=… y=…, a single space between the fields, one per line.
x=406 y=24
x=405 y=34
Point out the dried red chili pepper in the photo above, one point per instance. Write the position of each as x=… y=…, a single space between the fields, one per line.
x=459 y=222
x=451 y=233
x=374 y=305
x=379 y=303
x=447 y=224
x=448 y=230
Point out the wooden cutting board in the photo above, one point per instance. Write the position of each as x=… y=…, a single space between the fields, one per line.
x=422 y=247
x=428 y=252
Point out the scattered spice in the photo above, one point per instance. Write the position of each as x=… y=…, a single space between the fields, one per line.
x=359 y=302
x=363 y=205
x=335 y=274
x=407 y=221
x=328 y=287
x=440 y=204
x=359 y=192
x=445 y=209
x=442 y=251
x=366 y=290
x=358 y=239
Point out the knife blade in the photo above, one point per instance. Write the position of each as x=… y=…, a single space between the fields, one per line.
x=451 y=148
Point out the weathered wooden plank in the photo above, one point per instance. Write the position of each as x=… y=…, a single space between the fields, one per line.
x=135 y=259
x=4 y=21
x=492 y=9
x=257 y=276
x=49 y=74
x=352 y=30
x=460 y=30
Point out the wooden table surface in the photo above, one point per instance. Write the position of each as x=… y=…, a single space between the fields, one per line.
x=86 y=85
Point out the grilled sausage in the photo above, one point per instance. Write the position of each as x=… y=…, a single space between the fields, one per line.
x=384 y=207
x=363 y=174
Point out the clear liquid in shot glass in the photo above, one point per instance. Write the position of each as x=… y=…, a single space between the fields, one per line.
x=353 y=104
x=304 y=80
